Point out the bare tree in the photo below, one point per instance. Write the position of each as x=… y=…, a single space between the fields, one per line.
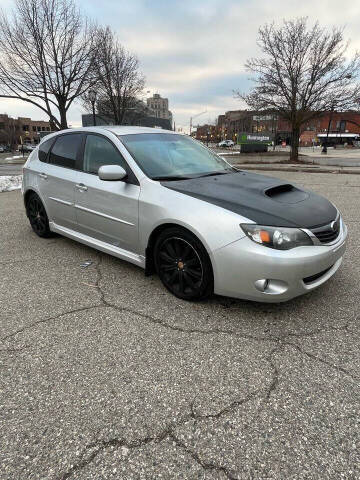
x=303 y=74
x=119 y=80
x=47 y=51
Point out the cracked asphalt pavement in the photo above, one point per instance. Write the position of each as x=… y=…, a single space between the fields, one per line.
x=105 y=375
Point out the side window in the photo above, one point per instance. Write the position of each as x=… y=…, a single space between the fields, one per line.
x=98 y=152
x=65 y=150
x=44 y=149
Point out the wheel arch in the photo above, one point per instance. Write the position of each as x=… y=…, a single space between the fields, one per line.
x=149 y=260
x=27 y=194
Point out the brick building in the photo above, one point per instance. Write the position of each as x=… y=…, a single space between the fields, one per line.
x=14 y=131
x=207 y=133
x=340 y=123
x=233 y=122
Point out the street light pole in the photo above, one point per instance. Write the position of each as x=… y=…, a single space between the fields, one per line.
x=324 y=150
x=92 y=98
x=194 y=116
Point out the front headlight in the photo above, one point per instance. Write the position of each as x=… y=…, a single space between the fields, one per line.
x=280 y=238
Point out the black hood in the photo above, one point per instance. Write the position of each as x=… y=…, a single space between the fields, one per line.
x=265 y=200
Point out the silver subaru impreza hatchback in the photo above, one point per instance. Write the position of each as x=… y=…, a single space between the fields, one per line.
x=168 y=204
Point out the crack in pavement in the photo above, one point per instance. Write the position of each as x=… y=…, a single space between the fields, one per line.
x=321 y=360
x=275 y=380
x=318 y=331
x=159 y=321
x=207 y=466
x=167 y=433
x=48 y=319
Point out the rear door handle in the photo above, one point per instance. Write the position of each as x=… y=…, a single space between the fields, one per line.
x=43 y=175
x=81 y=187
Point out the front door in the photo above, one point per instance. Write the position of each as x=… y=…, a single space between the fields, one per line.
x=106 y=210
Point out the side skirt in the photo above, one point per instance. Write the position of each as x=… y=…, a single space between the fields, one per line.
x=99 y=245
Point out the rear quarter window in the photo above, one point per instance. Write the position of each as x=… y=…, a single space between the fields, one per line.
x=65 y=150
x=44 y=148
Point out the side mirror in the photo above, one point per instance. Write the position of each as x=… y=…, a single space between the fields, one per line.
x=111 y=172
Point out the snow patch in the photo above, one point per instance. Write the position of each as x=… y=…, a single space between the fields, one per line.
x=10 y=182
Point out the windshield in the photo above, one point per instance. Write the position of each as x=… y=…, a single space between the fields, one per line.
x=167 y=156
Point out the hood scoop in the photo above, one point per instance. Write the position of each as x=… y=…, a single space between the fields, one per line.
x=286 y=193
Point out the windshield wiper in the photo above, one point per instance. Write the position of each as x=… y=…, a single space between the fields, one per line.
x=173 y=177
x=212 y=174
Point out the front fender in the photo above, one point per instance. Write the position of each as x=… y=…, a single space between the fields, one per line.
x=214 y=226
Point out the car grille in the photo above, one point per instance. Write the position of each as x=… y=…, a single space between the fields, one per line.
x=328 y=233
x=312 y=278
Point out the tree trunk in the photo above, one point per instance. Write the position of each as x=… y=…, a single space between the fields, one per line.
x=295 y=144
x=63 y=120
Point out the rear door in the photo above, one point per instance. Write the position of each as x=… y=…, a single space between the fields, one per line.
x=57 y=181
x=107 y=210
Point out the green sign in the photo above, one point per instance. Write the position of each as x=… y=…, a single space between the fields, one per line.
x=254 y=138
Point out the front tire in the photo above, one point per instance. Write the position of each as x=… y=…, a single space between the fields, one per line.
x=37 y=216
x=183 y=264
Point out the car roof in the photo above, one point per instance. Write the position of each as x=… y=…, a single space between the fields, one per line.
x=115 y=129
x=128 y=130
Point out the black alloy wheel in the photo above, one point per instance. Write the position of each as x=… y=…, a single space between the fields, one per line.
x=183 y=264
x=37 y=216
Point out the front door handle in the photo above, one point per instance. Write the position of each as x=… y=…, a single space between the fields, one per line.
x=81 y=187
x=43 y=175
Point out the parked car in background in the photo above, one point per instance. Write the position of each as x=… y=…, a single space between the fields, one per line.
x=226 y=143
x=2 y=149
x=168 y=204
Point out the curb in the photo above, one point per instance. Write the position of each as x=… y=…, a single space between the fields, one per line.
x=17 y=161
x=296 y=169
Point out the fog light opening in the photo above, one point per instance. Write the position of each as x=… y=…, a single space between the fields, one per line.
x=271 y=286
x=262 y=284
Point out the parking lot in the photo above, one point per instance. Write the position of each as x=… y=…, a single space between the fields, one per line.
x=105 y=375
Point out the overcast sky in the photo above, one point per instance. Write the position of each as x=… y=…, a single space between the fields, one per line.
x=193 y=52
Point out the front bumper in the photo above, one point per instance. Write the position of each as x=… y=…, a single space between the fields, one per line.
x=241 y=266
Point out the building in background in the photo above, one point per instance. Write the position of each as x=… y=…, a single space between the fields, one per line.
x=140 y=114
x=159 y=107
x=235 y=121
x=344 y=128
x=206 y=133
x=134 y=120
x=14 y=131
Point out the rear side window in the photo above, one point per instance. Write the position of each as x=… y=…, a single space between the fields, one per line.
x=98 y=152
x=44 y=149
x=65 y=150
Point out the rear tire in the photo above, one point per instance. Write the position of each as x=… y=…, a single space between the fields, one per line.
x=38 y=218
x=183 y=264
